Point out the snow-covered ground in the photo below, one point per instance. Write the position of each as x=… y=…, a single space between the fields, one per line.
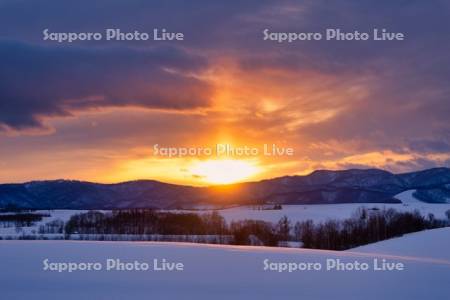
x=407 y=197
x=433 y=244
x=58 y=214
x=226 y=272
x=322 y=212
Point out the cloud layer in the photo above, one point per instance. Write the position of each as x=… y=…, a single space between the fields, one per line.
x=340 y=104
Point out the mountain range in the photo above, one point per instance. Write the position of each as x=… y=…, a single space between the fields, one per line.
x=319 y=187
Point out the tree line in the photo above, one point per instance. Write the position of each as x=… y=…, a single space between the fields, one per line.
x=363 y=227
x=21 y=219
x=148 y=222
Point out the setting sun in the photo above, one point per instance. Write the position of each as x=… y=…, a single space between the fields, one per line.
x=224 y=171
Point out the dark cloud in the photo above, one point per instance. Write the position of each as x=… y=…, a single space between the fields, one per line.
x=204 y=22
x=417 y=164
x=37 y=81
x=429 y=145
x=397 y=166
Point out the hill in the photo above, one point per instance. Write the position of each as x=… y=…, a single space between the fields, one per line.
x=319 y=187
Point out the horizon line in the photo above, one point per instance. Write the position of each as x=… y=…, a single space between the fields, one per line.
x=220 y=185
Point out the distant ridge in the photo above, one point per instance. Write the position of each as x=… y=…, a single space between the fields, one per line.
x=319 y=187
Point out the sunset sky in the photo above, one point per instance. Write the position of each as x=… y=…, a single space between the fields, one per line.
x=93 y=110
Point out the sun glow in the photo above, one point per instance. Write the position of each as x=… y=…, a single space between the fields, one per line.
x=224 y=171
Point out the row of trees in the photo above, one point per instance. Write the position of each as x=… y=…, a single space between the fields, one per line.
x=52 y=227
x=148 y=222
x=20 y=219
x=364 y=227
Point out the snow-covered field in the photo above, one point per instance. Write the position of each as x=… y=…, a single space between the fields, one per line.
x=322 y=212
x=325 y=211
x=226 y=272
x=426 y=244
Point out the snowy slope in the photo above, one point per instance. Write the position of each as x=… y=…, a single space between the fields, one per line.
x=429 y=244
x=223 y=272
x=407 y=197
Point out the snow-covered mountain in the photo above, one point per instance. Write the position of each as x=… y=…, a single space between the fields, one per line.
x=319 y=187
